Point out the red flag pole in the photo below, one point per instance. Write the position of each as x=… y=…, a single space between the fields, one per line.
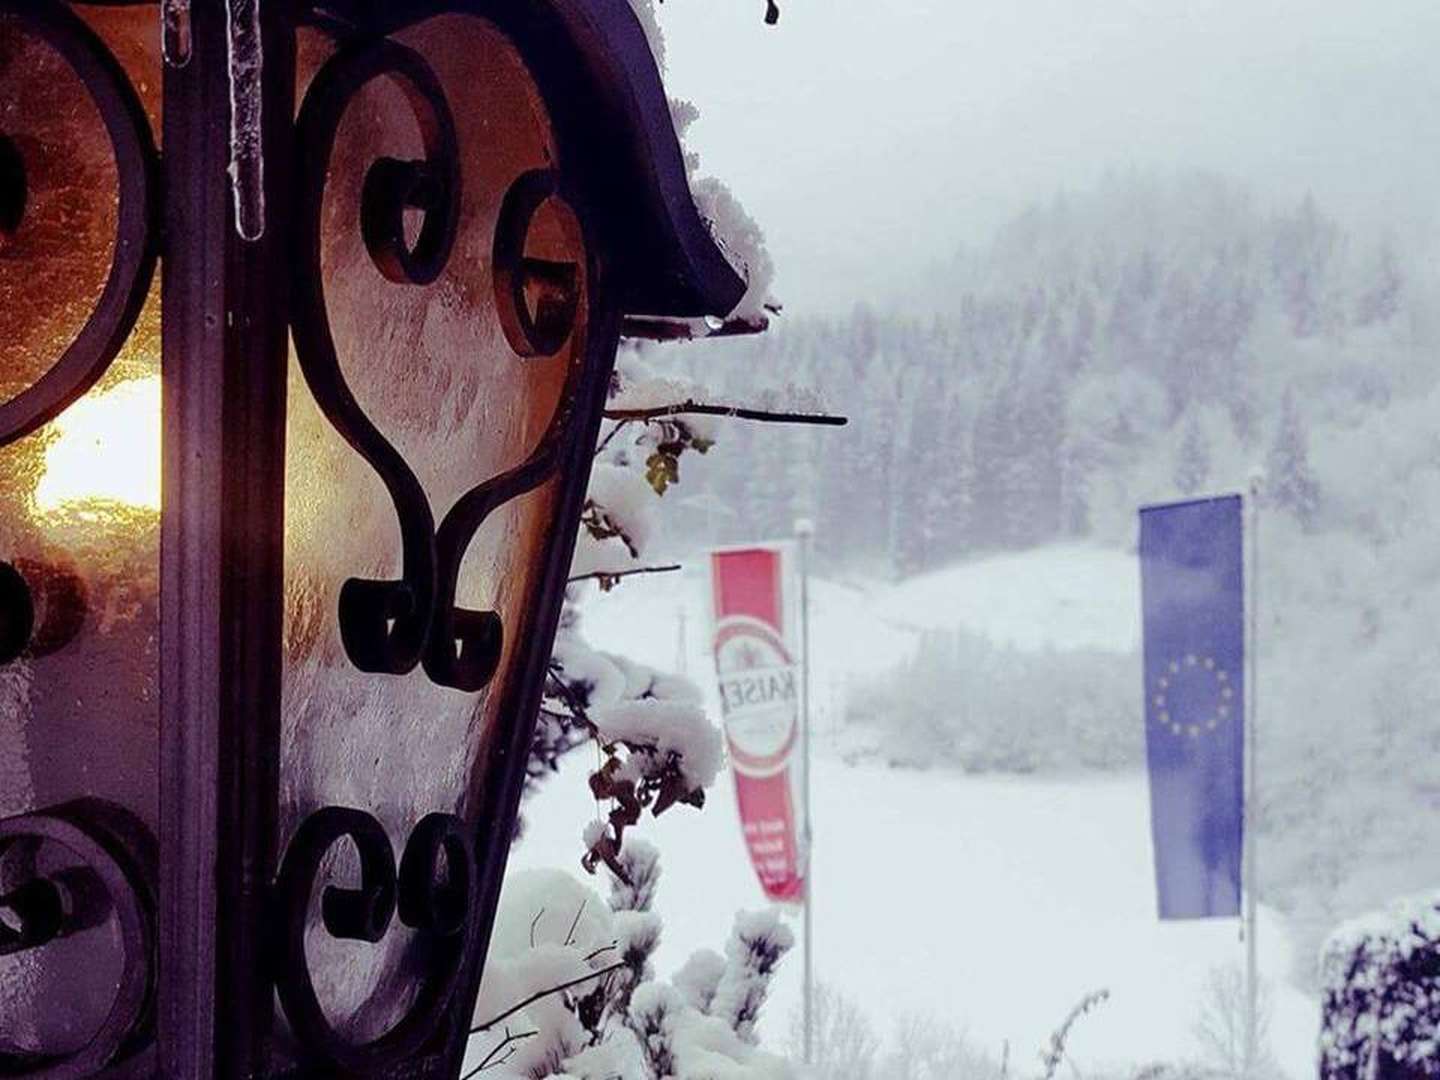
x=805 y=532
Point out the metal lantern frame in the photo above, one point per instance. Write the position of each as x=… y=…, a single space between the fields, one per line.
x=213 y=911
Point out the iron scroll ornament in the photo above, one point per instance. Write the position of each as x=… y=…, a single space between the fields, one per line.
x=114 y=877
x=132 y=265
x=438 y=909
x=384 y=625
x=389 y=627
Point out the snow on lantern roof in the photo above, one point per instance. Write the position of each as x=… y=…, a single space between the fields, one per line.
x=691 y=251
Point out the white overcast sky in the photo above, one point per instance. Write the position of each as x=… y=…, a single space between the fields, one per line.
x=871 y=138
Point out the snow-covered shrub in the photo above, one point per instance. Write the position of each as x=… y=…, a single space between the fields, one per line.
x=963 y=701
x=1381 y=978
x=759 y=941
x=570 y=991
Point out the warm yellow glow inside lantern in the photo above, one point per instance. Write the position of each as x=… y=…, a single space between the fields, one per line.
x=105 y=451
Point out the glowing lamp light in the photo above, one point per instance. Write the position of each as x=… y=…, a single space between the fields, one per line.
x=106 y=450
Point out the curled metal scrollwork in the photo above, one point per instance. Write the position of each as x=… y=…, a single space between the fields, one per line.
x=436 y=906
x=113 y=877
x=545 y=331
x=384 y=625
x=135 y=251
x=466 y=645
x=390 y=626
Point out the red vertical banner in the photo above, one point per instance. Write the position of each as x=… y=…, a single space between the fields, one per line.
x=755 y=645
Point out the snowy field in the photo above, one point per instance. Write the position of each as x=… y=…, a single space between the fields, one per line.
x=992 y=904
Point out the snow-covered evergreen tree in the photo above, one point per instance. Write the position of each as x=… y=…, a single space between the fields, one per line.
x=1290 y=480
x=1192 y=459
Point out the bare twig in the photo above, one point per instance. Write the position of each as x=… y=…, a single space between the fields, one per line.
x=610 y=436
x=735 y=412
x=534 y=923
x=488 y=1024
x=570 y=934
x=489 y=1061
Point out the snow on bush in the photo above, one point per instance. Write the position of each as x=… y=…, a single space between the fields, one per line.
x=759 y=941
x=664 y=732
x=1381 y=981
x=699 y=979
x=617 y=505
x=963 y=701
x=570 y=991
x=550 y=931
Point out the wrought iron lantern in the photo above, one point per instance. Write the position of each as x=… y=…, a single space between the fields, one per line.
x=307 y=315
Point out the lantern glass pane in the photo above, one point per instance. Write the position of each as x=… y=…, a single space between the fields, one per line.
x=54 y=264
x=79 y=518
x=434 y=371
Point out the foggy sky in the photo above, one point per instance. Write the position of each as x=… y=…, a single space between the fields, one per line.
x=871 y=138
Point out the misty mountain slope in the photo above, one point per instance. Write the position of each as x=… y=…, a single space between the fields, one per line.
x=1148 y=340
x=1110 y=348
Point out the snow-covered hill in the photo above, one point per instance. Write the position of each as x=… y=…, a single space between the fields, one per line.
x=992 y=903
x=1063 y=596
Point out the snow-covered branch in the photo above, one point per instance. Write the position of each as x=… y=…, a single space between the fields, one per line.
x=734 y=412
x=608 y=581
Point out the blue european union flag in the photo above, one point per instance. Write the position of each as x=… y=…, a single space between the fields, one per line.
x=1192 y=585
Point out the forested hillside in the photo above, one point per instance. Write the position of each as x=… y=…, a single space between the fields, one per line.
x=1143 y=340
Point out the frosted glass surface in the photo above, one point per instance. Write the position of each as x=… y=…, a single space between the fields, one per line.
x=432 y=368
x=79 y=516
x=53 y=268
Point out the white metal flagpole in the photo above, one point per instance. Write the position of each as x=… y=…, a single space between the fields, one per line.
x=1252 y=650
x=805 y=532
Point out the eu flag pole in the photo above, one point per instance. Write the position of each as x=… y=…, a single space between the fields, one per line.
x=1198 y=735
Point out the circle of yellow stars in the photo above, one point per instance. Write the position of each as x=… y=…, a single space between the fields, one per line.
x=1161 y=697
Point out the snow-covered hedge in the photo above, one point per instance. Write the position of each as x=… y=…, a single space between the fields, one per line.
x=1382 y=995
x=964 y=701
